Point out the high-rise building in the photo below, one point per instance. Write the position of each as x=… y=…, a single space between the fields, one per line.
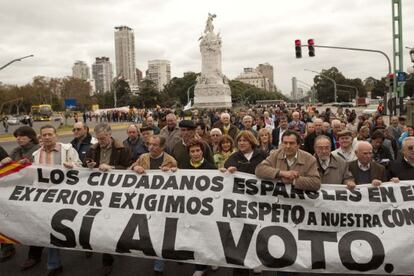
x=140 y=76
x=80 y=70
x=159 y=71
x=102 y=73
x=267 y=70
x=254 y=77
x=125 y=55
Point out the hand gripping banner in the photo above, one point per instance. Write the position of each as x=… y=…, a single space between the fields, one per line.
x=214 y=218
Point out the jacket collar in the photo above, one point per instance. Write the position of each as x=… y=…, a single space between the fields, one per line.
x=301 y=159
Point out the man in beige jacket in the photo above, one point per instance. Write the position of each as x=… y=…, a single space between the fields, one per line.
x=332 y=168
x=291 y=165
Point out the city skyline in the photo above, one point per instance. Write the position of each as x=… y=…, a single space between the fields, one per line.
x=170 y=29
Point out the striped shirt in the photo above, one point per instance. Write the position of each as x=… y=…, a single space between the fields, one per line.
x=53 y=157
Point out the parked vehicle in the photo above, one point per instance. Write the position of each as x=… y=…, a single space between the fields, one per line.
x=362 y=101
x=371 y=109
x=13 y=120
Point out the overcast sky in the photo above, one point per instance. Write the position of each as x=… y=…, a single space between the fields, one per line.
x=60 y=32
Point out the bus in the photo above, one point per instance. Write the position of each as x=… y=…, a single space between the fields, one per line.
x=41 y=112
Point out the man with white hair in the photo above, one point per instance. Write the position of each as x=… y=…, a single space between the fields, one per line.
x=336 y=128
x=248 y=124
x=364 y=169
x=226 y=127
x=296 y=124
x=171 y=132
x=403 y=167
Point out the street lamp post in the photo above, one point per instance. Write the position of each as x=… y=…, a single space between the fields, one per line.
x=14 y=60
x=351 y=86
x=328 y=78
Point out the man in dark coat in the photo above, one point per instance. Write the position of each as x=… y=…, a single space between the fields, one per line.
x=82 y=140
x=106 y=155
x=403 y=167
x=278 y=132
x=364 y=169
x=310 y=139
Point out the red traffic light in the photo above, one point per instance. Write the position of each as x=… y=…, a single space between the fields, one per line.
x=311 y=42
x=298 y=42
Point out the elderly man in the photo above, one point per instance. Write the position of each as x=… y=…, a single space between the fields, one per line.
x=106 y=155
x=332 y=169
x=394 y=130
x=297 y=124
x=82 y=139
x=403 y=167
x=364 y=169
x=226 y=127
x=291 y=165
x=133 y=142
x=346 y=151
x=336 y=128
x=248 y=124
x=51 y=153
x=171 y=132
x=180 y=151
x=278 y=132
x=310 y=139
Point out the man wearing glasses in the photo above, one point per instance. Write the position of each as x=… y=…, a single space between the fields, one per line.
x=403 y=167
x=82 y=140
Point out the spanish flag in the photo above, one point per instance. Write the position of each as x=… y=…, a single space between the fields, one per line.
x=12 y=167
x=5 y=239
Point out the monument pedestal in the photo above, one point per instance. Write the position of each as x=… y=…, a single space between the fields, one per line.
x=212 y=96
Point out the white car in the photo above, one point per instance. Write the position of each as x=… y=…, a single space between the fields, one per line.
x=372 y=108
x=13 y=121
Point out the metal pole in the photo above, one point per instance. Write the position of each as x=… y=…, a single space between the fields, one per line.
x=364 y=50
x=351 y=86
x=14 y=60
x=333 y=81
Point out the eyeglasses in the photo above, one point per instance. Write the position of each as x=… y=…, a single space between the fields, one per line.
x=410 y=148
x=76 y=129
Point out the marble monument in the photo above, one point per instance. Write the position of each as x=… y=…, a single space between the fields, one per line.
x=212 y=89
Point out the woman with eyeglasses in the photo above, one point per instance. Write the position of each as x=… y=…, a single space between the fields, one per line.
x=27 y=144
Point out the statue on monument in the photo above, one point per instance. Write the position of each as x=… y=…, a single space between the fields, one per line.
x=209 y=24
x=212 y=88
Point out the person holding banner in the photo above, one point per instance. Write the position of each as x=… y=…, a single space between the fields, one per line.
x=245 y=159
x=155 y=159
x=51 y=153
x=106 y=155
x=27 y=144
x=291 y=165
x=364 y=169
x=403 y=167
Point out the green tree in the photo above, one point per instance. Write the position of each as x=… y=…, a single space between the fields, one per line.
x=148 y=94
x=123 y=92
x=74 y=88
x=176 y=89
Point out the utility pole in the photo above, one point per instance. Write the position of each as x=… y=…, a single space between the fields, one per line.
x=397 y=39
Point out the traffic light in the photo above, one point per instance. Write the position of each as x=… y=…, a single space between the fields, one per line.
x=311 y=47
x=389 y=82
x=298 y=48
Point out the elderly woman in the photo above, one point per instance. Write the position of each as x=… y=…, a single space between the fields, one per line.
x=225 y=149
x=265 y=141
x=215 y=136
x=247 y=156
x=27 y=144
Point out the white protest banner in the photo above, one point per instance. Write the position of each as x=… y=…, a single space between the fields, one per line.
x=208 y=217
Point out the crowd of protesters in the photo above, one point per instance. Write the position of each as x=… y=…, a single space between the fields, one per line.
x=300 y=146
